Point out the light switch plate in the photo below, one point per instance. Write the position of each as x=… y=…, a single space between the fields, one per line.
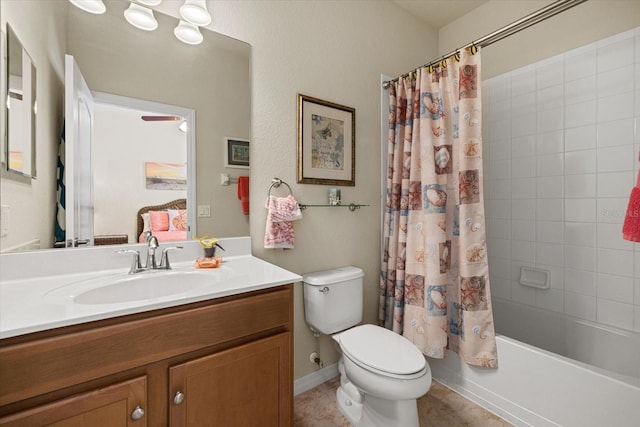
x=204 y=211
x=5 y=211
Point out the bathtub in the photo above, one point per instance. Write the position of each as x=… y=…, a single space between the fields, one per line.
x=604 y=347
x=578 y=373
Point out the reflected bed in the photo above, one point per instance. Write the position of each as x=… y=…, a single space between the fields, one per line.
x=168 y=222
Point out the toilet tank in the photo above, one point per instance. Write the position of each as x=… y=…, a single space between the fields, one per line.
x=333 y=299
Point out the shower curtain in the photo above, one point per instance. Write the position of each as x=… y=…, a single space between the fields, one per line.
x=434 y=285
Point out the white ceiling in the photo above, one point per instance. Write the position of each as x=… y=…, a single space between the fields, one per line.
x=438 y=13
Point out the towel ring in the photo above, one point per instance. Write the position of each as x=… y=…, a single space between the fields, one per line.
x=277 y=182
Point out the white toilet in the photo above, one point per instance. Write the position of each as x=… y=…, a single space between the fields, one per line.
x=382 y=373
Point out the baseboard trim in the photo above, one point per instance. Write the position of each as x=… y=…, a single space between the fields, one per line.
x=315 y=378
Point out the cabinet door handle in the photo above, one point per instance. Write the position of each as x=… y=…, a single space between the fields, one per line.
x=137 y=413
x=178 y=398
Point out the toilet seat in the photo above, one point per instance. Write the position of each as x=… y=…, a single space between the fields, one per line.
x=382 y=351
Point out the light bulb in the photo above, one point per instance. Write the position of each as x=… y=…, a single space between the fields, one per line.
x=149 y=2
x=188 y=33
x=141 y=17
x=92 y=6
x=195 y=12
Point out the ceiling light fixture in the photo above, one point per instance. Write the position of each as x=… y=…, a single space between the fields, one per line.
x=141 y=17
x=195 y=12
x=188 y=33
x=96 y=7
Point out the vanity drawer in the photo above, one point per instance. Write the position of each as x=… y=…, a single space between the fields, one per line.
x=32 y=368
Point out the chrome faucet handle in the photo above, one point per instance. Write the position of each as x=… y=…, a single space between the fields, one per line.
x=164 y=261
x=136 y=266
x=151 y=251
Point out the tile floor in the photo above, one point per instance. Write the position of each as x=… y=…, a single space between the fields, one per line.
x=441 y=407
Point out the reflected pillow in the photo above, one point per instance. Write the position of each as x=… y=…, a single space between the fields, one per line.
x=177 y=219
x=146 y=222
x=159 y=220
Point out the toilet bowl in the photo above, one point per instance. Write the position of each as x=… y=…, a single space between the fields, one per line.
x=381 y=373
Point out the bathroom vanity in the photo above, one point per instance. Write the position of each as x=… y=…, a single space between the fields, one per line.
x=214 y=356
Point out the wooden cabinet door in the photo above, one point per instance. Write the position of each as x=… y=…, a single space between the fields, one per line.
x=110 y=406
x=248 y=385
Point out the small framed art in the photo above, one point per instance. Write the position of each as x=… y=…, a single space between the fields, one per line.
x=236 y=154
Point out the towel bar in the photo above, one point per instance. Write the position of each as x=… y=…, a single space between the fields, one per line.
x=352 y=206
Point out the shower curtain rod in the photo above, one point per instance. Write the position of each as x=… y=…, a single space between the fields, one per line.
x=504 y=32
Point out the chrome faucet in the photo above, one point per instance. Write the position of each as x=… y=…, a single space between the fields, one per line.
x=151 y=264
x=152 y=245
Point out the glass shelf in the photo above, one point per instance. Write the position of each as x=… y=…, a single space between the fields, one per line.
x=352 y=206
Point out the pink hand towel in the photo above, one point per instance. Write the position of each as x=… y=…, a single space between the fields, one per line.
x=281 y=211
x=631 y=226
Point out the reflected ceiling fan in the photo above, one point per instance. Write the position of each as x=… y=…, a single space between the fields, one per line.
x=182 y=127
x=161 y=118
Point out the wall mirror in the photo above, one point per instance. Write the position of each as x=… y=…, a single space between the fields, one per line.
x=212 y=79
x=20 y=132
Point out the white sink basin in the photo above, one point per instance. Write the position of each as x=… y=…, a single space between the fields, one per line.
x=147 y=285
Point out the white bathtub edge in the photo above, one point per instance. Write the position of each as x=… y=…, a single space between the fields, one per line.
x=533 y=387
x=484 y=397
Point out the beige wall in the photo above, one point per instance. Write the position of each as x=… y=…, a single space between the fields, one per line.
x=581 y=25
x=33 y=205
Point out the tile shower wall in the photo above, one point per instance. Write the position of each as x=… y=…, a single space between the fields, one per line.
x=561 y=139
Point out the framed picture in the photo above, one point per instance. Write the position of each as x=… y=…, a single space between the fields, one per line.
x=326 y=142
x=165 y=176
x=236 y=153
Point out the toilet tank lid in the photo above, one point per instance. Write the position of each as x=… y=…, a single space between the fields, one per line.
x=334 y=275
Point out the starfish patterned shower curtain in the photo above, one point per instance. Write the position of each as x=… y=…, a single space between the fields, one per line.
x=434 y=285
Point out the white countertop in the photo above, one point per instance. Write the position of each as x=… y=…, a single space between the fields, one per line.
x=46 y=301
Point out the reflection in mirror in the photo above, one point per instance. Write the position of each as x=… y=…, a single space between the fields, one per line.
x=161 y=163
x=211 y=79
x=20 y=107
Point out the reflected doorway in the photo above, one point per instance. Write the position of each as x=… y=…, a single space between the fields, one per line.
x=132 y=139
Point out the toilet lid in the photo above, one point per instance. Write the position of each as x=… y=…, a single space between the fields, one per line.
x=382 y=349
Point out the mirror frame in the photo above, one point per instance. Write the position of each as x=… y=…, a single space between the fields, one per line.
x=29 y=87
